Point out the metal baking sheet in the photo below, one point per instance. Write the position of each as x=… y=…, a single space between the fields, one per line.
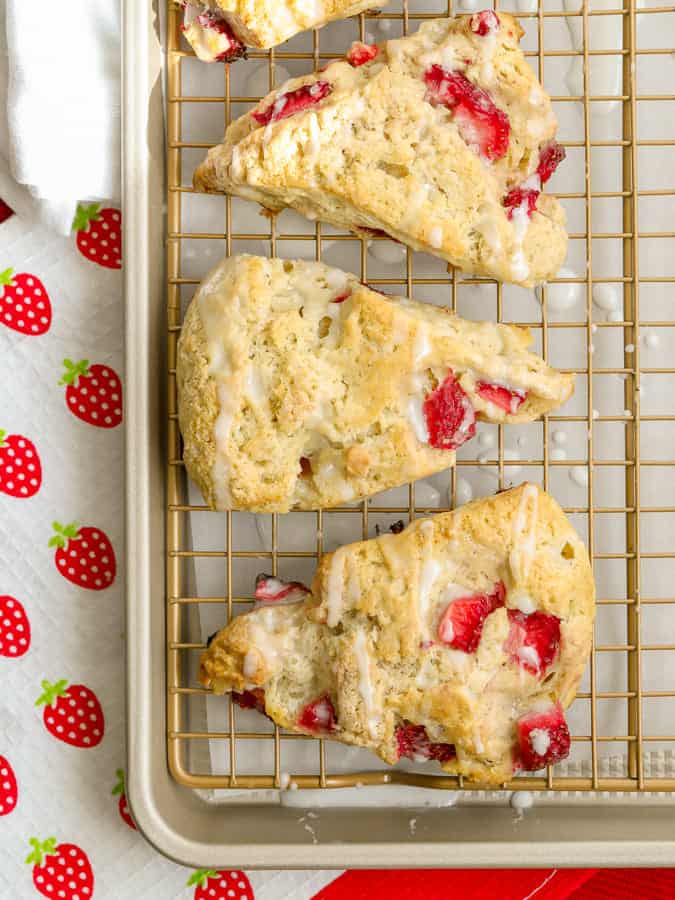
x=190 y=825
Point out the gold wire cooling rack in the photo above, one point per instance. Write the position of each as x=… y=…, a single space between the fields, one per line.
x=633 y=558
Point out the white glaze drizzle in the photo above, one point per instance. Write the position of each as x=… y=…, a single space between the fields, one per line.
x=365 y=682
x=429 y=571
x=524 y=533
x=335 y=588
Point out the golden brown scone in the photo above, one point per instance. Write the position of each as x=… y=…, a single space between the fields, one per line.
x=219 y=30
x=460 y=639
x=441 y=140
x=299 y=387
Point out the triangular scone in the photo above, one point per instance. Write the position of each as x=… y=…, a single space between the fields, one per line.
x=219 y=30
x=299 y=387
x=441 y=140
x=459 y=639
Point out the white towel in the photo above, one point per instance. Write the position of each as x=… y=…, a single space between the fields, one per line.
x=63 y=103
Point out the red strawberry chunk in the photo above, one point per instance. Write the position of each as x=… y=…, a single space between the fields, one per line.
x=254 y=699
x=550 y=157
x=412 y=742
x=461 y=625
x=521 y=198
x=449 y=415
x=342 y=297
x=359 y=54
x=533 y=640
x=270 y=589
x=319 y=716
x=481 y=123
x=484 y=22
x=543 y=738
x=211 y=21
x=508 y=399
x=293 y=102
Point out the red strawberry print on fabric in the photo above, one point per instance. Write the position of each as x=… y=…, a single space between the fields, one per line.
x=14 y=628
x=412 y=742
x=533 y=640
x=318 y=716
x=520 y=198
x=508 y=399
x=550 y=157
x=270 y=589
x=9 y=788
x=93 y=393
x=449 y=415
x=294 y=101
x=483 y=126
x=484 y=23
x=254 y=699
x=6 y=211
x=61 y=872
x=20 y=467
x=84 y=555
x=122 y=805
x=220 y=885
x=72 y=713
x=359 y=54
x=461 y=625
x=99 y=234
x=543 y=739
x=24 y=303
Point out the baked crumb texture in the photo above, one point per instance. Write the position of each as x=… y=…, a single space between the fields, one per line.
x=460 y=639
x=220 y=30
x=442 y=140
x=300 y=388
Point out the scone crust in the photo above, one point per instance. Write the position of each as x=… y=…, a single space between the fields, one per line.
x=268 y=23
x=285 y=373
x=376 y=597
x=375 y=154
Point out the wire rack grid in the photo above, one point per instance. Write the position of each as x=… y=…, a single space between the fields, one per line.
x=606 y=443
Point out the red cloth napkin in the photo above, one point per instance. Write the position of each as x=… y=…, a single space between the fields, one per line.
x=496 y=884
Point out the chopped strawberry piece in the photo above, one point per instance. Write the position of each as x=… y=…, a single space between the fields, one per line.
x=483 y=126
x=484 y=23
x=270 y=589
x=210 y=21
x=319 y=716
x=508 y=399
x=359 y=54
x=543 y=738
x=341 y=297
x=254 y=699
x=461 y=625
x=449 y=415
x=550 y=157
x=293 y=102
x=413 y=742
x=229 y=46
x=521 y=198
x=533 y=640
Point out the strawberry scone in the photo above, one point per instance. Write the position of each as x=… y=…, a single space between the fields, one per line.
x=461 y=640
x=442 y=140
x=299 y=387
x=220 y=30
